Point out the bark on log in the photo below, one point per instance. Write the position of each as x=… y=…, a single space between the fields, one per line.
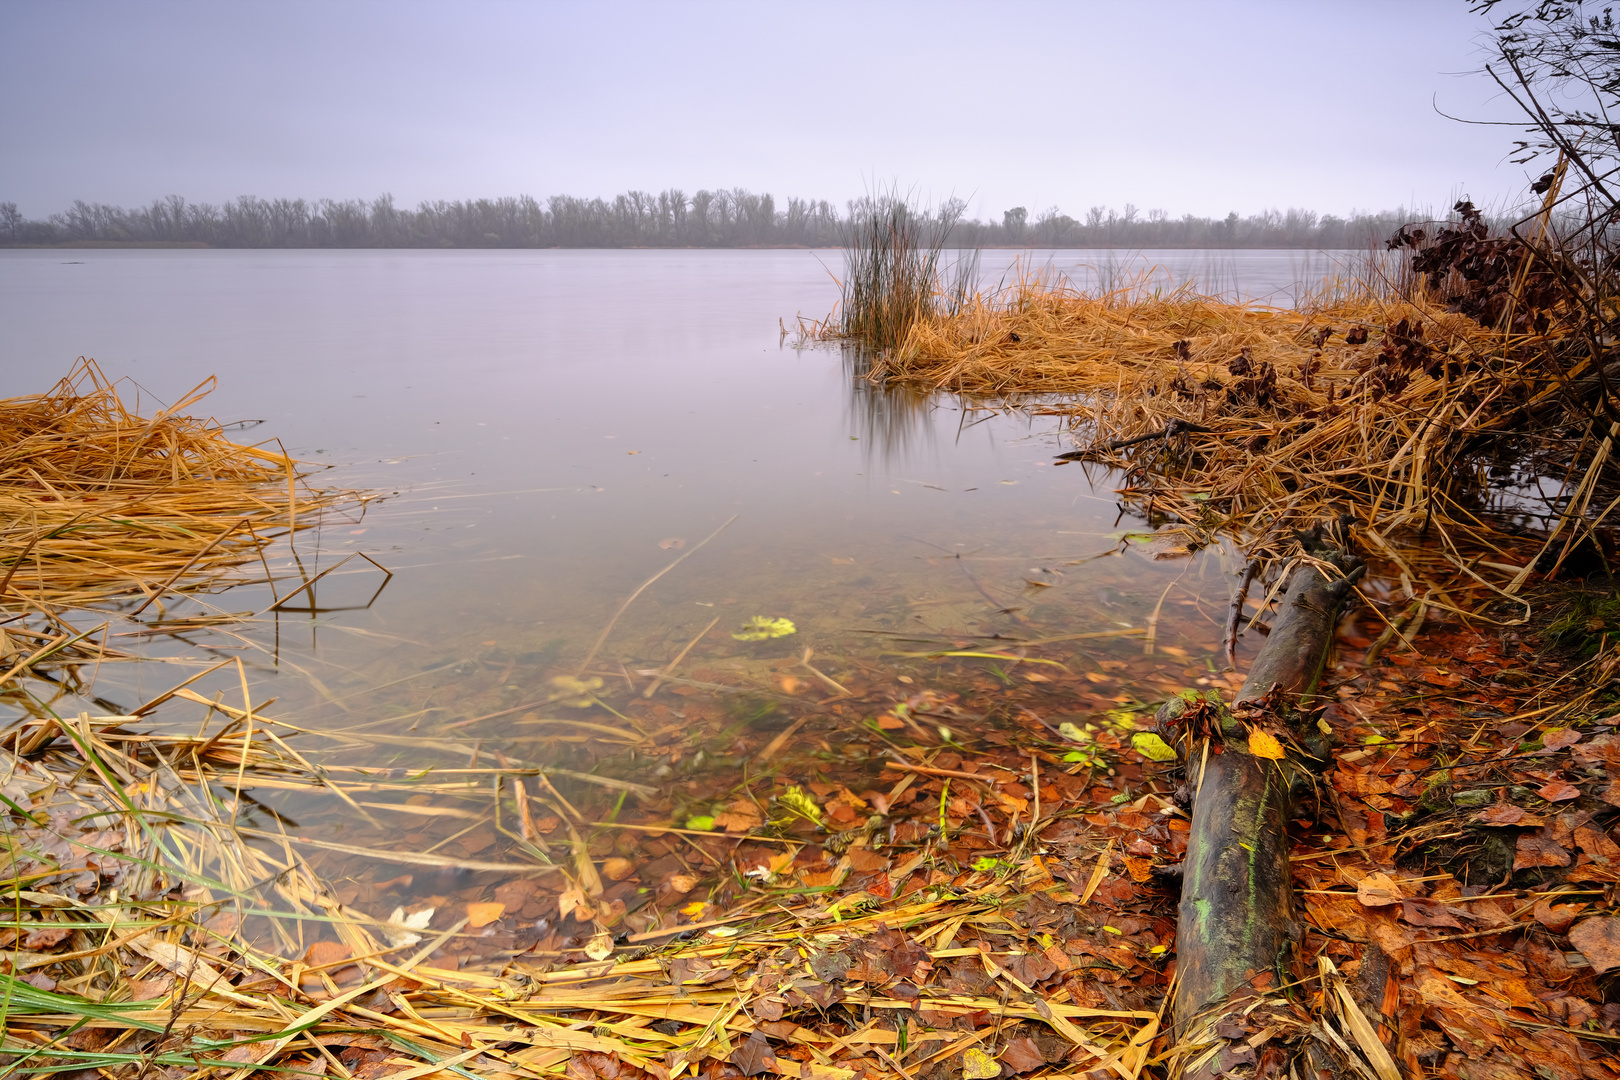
x=1236 y=930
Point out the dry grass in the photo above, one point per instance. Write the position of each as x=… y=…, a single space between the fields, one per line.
x=98 y=503
x=1248 y=421
x=151 y=930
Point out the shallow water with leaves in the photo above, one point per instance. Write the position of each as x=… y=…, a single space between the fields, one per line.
x=554 y=429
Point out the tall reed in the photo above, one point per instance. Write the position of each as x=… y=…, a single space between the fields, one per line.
x=891 y=277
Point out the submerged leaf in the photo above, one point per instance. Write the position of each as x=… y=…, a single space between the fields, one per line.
x=764 y=627
x=795 y=801
x=576 y=693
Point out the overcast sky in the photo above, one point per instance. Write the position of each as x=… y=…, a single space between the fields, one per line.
x=1193 y=106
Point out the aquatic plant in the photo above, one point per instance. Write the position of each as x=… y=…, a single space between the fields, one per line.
x=891 y=273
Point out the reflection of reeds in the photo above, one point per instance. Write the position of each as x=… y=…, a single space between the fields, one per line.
x=97 y=502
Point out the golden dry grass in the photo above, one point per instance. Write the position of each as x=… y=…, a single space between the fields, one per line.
x=98 y=503
x=1249 y=421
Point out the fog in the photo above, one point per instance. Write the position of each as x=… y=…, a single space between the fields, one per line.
x=1201 y=108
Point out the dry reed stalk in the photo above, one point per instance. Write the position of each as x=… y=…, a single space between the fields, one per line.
x=1228 y=418
x=98 y=503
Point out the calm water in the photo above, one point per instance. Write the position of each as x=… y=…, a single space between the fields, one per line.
x=548 y=418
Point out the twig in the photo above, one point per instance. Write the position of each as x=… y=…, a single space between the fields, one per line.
x=658 y=680
x=1234 y=614
x=608 y=629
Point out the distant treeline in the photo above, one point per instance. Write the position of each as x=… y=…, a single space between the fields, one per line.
x=720 y=219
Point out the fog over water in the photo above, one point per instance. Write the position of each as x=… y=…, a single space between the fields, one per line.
x=548 y=418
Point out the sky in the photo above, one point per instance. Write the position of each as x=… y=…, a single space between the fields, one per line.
x=1191 y=106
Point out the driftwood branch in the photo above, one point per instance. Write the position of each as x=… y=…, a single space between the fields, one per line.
x=1169 y=431
x=1236 y=929
x=1234 y=614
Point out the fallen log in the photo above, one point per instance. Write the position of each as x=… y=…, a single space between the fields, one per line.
x=1236 y=931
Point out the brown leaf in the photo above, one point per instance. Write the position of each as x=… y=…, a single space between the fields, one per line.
x=1022 y=1055
x=1378 y=890
x=1558 y=738
x=616 y=869
x=326 y=953
x=1539 y=851
x=1611 y=794
x=1420 y=913
x=1140 y=869
x=1597 y=845
x=1504 y=814
x=1598 y=940
x=1556 y=917
x=1559 y=791
x=47 y=937
x=484 y=914
x=865 y=860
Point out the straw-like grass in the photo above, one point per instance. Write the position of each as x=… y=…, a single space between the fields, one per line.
x=98 y=503
x=151 y=928
x=1251 y=420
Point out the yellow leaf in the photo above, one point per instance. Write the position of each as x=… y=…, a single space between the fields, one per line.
x=1152 y=747
x=763 y=628
x=694 y=909
x=484 y=914
x=576 y=693
x=978 y=1065
x=1263 y=744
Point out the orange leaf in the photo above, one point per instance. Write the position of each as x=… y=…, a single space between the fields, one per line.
x=484 y=914
x=1378 y=890
x=1265 y=745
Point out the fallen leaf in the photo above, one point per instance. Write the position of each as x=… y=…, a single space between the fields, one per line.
x=1378 y=890
x=600 y=947
x=617 y=869
x=1598 y=940
x=1558 y=738
x=976 y=1064
x=572 y=900
x=1141 y=870
x=1559 y=791
x=1152 y=747
x=1556 y=917
x=682 y=883
x=764 y=627
x=1539 y=851
x=1263 y=744
x=484 y=914
x=754 y=1056
x=326 y=953
x=890 y=722
x=1022 y=1055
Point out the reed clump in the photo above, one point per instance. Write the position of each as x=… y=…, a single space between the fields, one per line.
x=892 y=257
x=1383 y=398
x=98 y=503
